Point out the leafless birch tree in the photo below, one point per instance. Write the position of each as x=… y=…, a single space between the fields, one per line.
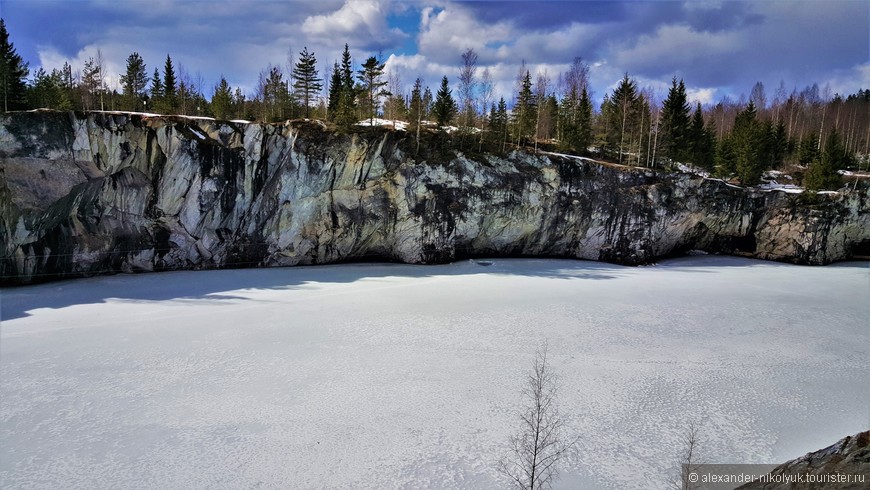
x=539 y=445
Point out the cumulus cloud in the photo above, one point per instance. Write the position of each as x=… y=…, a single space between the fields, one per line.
x=718 y=48
x=358 y=22
x=447 y=32
x=676 y=49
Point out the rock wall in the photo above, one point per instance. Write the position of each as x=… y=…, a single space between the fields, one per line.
x=842 y=466
x=82 y=194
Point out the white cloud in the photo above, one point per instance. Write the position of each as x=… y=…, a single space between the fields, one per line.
x=674 y=49
x=50 y=59
x=362 y=23
x=445 y=34
x=705 y=96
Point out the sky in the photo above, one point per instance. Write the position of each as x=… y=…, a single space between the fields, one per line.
x=720 y=48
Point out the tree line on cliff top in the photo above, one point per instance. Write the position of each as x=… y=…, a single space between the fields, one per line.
x=810 y=131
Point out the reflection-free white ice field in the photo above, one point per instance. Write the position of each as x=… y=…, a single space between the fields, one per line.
x=399 y=376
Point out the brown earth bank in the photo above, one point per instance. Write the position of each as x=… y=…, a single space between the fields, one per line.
x=92 y=193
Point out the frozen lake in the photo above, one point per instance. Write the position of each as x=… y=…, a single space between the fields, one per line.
x=399 y=376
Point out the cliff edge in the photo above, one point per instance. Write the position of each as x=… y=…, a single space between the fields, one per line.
x=88 y=193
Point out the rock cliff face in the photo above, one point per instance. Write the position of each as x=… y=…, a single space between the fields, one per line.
x=842 y=466
x=82 y=194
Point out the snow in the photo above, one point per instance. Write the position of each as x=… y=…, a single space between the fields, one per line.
x=393 y=123
x=775 y=186
x=692 y=170
x=565 y=155
x=401 y=376
x=196 y=132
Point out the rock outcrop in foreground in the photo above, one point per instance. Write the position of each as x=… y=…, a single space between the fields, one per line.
x=83 y=194
x=843 y=466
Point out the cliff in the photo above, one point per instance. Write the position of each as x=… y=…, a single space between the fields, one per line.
x=82 y=194
x=842 y=466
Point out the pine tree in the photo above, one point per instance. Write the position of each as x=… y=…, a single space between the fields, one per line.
x=170 y=88
x=13 y=74
x=370 y=78
x=241 y=108
x=675 y=122
x=134 y=81
x=307 y=84
x=273 y=94
x=222 y=100
x=91 y=84
x=47 y=91
x=444 y=108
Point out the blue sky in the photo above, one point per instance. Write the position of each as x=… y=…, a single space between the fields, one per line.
x=719 y=48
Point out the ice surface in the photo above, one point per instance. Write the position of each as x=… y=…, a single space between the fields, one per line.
x=400 y=376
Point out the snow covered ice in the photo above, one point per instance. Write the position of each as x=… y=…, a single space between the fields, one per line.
x=401 y=376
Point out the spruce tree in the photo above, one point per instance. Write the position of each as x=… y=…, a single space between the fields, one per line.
x=334 y=93
x=822 y=173
x=780 y=146
x=701 y=149
x=674 y=138
x=620 y=112
x=346 y=110
x=808 y=150
x=444 y=108
x=583 y=137
x=170 y=89
x=222 y=100
x=748 y=137
x=156 y=90
x=134 y=80
x=524 y=110
x=415 y=108
x=307 y=84
x=13 y=74
x=725 y=158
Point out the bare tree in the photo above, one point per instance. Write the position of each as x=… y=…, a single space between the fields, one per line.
x=542 y=88
x=690 y=458
x=535 y=451
x=486 y=88
x=467 y=84
x=100 y=65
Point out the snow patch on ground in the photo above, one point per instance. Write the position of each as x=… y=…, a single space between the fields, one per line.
x=776 y=186
x=692 y=170
x=393 y=123
x=401 y=376
x=565 y=155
